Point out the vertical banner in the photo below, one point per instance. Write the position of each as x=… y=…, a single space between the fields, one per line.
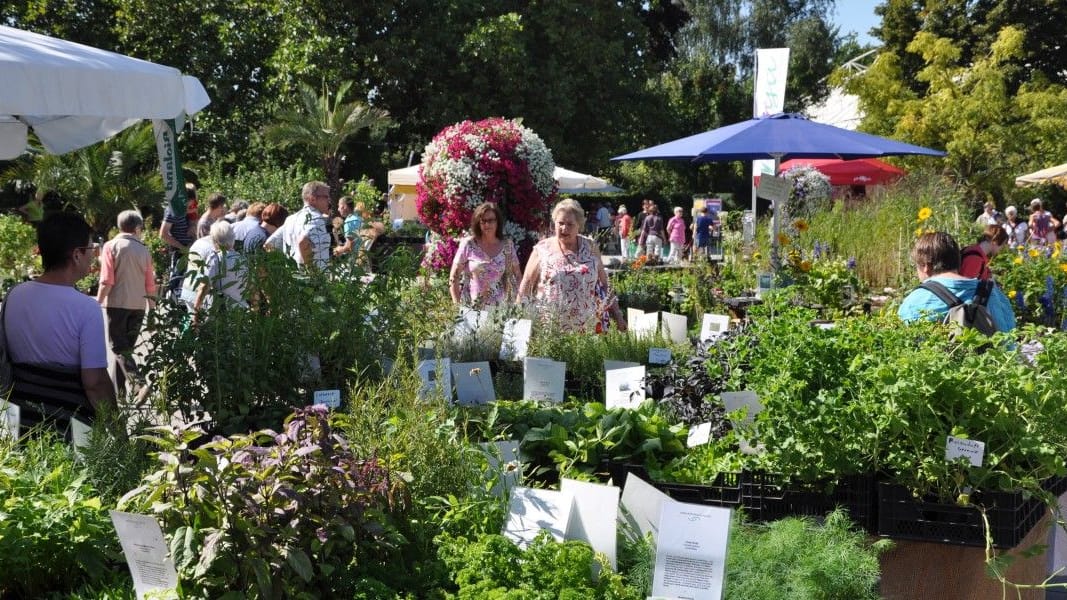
x=772 y=69
x=170 y=165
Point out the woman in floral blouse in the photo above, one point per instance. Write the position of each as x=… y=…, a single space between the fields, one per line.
x=566 y=277
x=485 y=271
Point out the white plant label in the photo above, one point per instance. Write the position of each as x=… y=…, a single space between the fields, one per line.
x=676 y=326
x=713 y=326
x=972 y=450
x=659 y=356
x=436 y=376
x=596 y=514
x=516 y=339
x=80 y=433
x=624 y=388
x=474 y=383
x=543 y=379
x=691 y=551
x=531 y=510
x=146 y=552
x=9 y=421
x=645 y=325
x=328 y=398
x=699 y=435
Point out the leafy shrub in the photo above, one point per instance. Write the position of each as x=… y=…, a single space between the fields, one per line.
x=278 y=515
x=17 y=257
x=54 y=532
x=1035 y=279
x=268 y=183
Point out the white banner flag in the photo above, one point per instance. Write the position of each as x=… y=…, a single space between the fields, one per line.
x=772 y=69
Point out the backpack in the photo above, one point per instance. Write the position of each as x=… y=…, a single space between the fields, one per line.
x=966 y=315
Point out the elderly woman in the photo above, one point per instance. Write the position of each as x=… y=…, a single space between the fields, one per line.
x=225 y=272
x=485 y=271
x=676 y=235
x=566 y=277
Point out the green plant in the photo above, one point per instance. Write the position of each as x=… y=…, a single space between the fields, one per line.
x=55 y=534
x=491 y=566
x=1035 y=280
x=18 y=260
x=294 y=514
x=267 y=183
x=797 y=559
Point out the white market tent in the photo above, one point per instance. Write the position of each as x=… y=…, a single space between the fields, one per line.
x=402 y=188
x=1057 y=174
x=72 y=95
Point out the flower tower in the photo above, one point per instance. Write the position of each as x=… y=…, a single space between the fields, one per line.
x=493 y=160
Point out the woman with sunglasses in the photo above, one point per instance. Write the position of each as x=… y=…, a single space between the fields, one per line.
x=485 y=271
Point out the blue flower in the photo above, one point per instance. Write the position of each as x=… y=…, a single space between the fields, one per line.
x=1020 y=303
x=851 y=264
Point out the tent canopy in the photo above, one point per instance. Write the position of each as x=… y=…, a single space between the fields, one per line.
x=862 y=171
x=1057 y=174
x=74 y=95
x=569 y=182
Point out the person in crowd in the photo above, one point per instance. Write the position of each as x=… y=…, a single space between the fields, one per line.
x=485 y=270
x=702 y=227
x=225 y=272
x=566 y=278
x=272 y=220
x=639 y=225
x=624 y=224
x=676 y=235
x=216 y=208
x=248 y=233
x=652 y=231
x=127 y=284
x=937 y=256
x=974 y=259
x=1017 y=230
x=238 y=211
x=196 y=269
x=990 y=215
x=603 y=217
x=350 y=226
x=176 y=233
x=55 y=333
x=1043 y=225
x=305 y=231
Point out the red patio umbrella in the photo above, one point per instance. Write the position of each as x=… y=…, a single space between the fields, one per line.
x=861 y=171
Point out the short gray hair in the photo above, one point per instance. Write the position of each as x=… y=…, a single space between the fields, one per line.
x=570 y=205
x=309 y=189
x=129 y=221
x=222 y=235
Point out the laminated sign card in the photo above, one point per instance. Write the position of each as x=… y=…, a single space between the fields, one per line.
x=644 y=325
x=146 y=552
x=676 y=327
x=470 y=321
x=474 y=383
x=691 y=551
x=9 y=420
x=516 y=339
x=596 y=513
x=713 y=326
x=531 y=510
x=543 y=379
x=436 y=376
x=624 y=388
x=641 y=505
x=327 y=398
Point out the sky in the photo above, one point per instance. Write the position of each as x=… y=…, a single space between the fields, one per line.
x=858 y=16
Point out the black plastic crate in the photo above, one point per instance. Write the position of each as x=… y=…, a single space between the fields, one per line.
x=1011 y=516
x=724 y=491
x=769 y=497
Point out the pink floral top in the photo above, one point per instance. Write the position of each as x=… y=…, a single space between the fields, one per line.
x=566 y=291
x=484 y=275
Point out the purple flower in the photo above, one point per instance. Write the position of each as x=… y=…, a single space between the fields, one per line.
x=1020 y=303
x=851 y=264
x=817 y=252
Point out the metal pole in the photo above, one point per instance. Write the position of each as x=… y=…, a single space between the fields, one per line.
x=776 y=261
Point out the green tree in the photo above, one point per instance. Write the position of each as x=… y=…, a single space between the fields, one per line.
x=991 y=129
x=99 y=181
x=321 y=124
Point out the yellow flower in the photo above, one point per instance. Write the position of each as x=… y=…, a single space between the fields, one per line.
x=1063 y=267
x=925 y=213
x=1012 y=294
x=784 y=239
x=1034 y=252
x=1057 y=246
x=1056 y=254
x=1018 y=260
x=805 y=265
x=918 y=232
x=756 y=256
x=800 y=225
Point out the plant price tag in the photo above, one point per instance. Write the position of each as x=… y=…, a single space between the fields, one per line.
x=698 y=435
x=328 y=398
x=659 y=356
x=972 y=450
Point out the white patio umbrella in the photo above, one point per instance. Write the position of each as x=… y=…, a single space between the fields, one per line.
x=72 y=95
x=569 y=182
x=1057 y=174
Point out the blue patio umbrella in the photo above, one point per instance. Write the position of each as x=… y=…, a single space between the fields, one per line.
x=779 y=137
x=782 y=136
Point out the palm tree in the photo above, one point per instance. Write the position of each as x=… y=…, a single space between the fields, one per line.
x=321 y=124
x=99 y=181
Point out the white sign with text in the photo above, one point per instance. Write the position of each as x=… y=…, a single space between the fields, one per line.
x=474 y=383
x=659 y=356
x=543 y=379
x=713 y=326
x=532 y=510
x=676 y=327
x=691 y=551
x=624 y=388
x=972 y=450
x=146 y=552
x=328 y=398
x=436 y=376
